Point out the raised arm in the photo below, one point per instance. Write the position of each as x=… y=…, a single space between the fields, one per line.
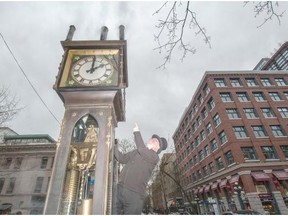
x=147 y=154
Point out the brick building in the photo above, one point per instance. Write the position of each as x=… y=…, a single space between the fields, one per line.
x=232 y=145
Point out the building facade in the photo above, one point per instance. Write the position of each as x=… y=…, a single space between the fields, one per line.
x=232 y=145
x=26 y=163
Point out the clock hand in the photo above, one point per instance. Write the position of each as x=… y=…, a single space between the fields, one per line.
x=91 y=70
x=95 y=68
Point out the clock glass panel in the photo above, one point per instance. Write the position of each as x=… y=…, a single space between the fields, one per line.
x=91 y=68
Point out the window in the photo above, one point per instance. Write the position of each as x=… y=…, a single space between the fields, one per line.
x=37 y=201
x=229 y=158
x=199 y=121
x=200 y=99
x=18 y=162
x=5 y=163
x=195 y=159
x=205 y=171
x=226 y=97
x=44 y=162
x=213 y=145
x=211 y=167
x=250 y=113
x=242 y=96
x=277 y=130
x=283 y=147
x=211 y=103
x=197 y=140
x=219 y=163
x=206 y=151
x=275 y=96
x=201 y=155
x=202 y=135
x=209 y=128
x=266 y=82
x=240 y=132
x=198 y=173
x=259 y=131
x=11 y=185
x=206 y=89
x=204 y=113
x=222 y=137
x=251 y=82
x=195 y=108
x=249 y=153
x=38 y=185
x=233 y=113
x=219 y=82
x=283 y=111
x=2 y=181
x=194 y=128
x=267 y=112
x=269 y=152
x=259 y=96
x=280 y=82
x=286 y=95
x=216 y=120
x=235 y=82
x=192 y=146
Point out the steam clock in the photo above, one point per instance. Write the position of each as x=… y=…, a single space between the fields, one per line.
x=91 y=83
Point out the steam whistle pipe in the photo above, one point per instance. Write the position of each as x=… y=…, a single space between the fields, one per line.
x=104 y=32
x=70 y=33
x=121 y=32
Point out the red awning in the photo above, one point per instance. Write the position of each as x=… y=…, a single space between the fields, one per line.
x=281 y=175
x=214 y=186
x=223 y=183
x=201 y=190
x=207 y=188
x=260 y=176
x=234 y=179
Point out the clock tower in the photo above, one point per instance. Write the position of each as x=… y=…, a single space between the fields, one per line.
x=91 y=83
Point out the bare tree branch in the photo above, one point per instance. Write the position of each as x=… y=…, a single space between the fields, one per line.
x=268 y=8
x=175 y=27
x=8 y=106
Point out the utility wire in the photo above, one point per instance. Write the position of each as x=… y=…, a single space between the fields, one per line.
x=29 y=80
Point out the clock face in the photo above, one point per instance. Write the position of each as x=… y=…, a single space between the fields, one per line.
x=92 y=70
x=91 y=67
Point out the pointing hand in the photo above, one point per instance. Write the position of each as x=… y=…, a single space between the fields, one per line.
x=136 y=128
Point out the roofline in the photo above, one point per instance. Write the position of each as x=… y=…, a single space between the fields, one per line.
x=30 y=136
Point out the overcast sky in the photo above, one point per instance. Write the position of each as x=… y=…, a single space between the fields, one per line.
x=155 y=99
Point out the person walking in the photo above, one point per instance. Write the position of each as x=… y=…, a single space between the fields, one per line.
x=134 y=176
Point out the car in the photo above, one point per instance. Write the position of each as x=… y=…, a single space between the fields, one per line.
x=241 y=212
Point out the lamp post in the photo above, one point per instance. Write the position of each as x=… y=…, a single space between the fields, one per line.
x=238 y=190
x=196 y=198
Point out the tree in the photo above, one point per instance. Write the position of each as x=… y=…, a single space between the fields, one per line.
x=268 y=7
x=180 y=18
x=8 y=106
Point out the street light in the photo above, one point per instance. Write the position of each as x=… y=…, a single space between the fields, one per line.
x=238 y=190
x=196 y=198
